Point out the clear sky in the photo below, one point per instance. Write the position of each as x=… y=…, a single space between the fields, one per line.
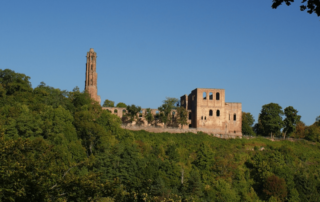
x=152 y=49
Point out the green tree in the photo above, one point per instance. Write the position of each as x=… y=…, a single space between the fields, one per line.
x=33 y=170
x=165 y=110
x=291 y=120
x=121 y=105
x=182 y=116
x=312 y=133
x=312 y=6
x=12 y=82
x=271 y=119
x=318 y=121
x=108 y=103
x=133 y=112
x=247 y=122
x=194 y=184
x=149 y=116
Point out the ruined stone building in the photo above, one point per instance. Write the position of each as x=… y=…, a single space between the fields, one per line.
x=207 y=109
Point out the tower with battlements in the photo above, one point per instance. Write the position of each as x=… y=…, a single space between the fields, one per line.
x=92 y=76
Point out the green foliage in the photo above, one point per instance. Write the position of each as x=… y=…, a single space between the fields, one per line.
x=61 y=146
x=33 y=170
x=165 y=110
x=312 y=133
x=148 y=115
x=133 y=112
x=12 y=82
x=247 y=122
x=182 y=116
x=108 y=103
x=121 y=104
x=291 y=120
x=270 y=118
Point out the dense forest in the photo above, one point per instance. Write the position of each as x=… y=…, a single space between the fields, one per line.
x=61 y=146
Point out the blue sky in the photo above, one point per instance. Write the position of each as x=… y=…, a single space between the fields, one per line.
x=152 y=49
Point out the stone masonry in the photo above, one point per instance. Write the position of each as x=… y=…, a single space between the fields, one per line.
x=92 y=76
x=207 y=109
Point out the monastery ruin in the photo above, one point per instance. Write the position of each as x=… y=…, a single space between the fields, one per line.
x=206 y=107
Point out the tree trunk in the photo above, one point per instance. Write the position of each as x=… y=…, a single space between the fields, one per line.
x=182 y=175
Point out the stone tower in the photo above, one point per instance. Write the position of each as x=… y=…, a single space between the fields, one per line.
x=92 y=76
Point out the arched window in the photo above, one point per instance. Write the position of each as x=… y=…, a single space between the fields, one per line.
x=210 y=112
x=124 y=111
x=91 y=67
x=234 y=117
x=217 y=96
x=91 y=58
x=210 y=96
x=115 y=111
x=218 y=112
x=201 y=117
x=140 y=113
x=205 y=118
x=190 y=115
x=204 y=95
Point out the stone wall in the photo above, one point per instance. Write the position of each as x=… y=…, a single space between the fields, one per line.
x=178 y=130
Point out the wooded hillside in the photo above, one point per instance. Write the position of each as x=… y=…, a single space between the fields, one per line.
x=61 y=146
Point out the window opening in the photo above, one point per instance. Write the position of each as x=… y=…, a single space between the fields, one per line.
x=201 y=117
x=210 y=96
x=140 y=113
x=190 y=116
x=205 y=118
x=115 y=111
x=234 y=117
x=123 y=111
x=91 y=67
x=210 y=112
x=217 y=96
x=204 y=95
x=229 y=117
x=218 y=112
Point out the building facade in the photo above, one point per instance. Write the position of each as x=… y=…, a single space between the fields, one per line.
x=208 y=110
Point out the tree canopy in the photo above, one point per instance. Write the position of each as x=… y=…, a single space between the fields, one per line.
x=247 y=123
x=57 y=145
x=108 y=103
x=312 y=6
x=270 y=118
x=121 y=104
